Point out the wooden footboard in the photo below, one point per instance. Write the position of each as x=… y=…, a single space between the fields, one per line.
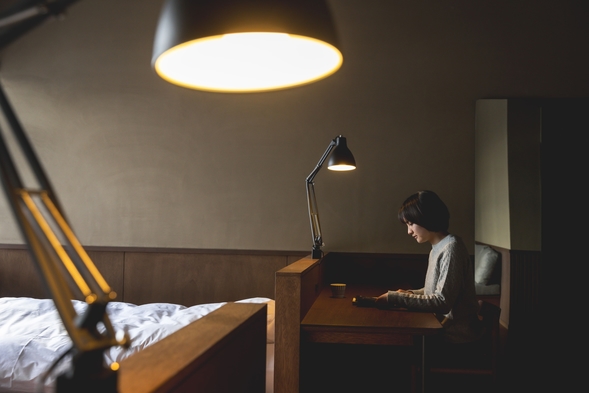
x=223 y=352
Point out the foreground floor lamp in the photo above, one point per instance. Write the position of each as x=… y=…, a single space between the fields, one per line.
x=64 y=266
x=340 y=160
x=279 y=44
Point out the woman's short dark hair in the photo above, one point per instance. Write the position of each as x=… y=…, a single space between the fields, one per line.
x=426 y=209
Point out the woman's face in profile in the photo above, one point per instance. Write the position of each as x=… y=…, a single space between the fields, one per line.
x=419 y=233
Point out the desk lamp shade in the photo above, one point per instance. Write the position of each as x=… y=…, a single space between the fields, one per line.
x=341 y=158
x=245 y=45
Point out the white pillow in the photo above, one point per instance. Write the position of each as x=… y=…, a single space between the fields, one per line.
x=271 y=314
x=486 y=261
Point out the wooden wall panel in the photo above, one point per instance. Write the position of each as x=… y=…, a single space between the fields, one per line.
x=295 y=257
x=525 y=273
x=19 y=277
x=110 y=265
x=388 y=270
x=196 y=278
x=146 y=275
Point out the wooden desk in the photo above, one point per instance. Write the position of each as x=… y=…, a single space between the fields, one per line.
x=333 y=320
x=306 y=315
x=338 y=321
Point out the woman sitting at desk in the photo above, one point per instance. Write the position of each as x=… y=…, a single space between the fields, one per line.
x=449 y=290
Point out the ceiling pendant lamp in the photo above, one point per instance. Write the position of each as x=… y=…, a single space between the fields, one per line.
x=245 y=45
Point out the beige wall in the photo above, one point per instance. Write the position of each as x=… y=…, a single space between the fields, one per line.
x=138 y=162
x=508 y=197
x=491 y=195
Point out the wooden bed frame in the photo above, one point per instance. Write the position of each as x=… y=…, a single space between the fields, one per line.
x=223 y=352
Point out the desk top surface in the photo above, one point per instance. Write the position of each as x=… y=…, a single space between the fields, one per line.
x=332 y=313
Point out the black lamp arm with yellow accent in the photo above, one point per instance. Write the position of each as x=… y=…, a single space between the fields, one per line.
x=64 y=266
x=341 y=160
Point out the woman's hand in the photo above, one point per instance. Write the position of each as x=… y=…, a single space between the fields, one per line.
x=382 y=300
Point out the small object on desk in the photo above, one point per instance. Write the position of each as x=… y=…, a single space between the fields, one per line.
x=364 y=301
x=338 y=290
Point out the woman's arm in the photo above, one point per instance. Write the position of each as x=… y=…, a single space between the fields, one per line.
x=383 y=301
x=443 y=285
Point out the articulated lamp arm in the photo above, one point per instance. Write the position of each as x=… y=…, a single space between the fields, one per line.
x=312 y=204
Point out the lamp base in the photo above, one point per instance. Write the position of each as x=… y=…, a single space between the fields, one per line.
x=316 y=253
x=105 y=383
x=87 y=374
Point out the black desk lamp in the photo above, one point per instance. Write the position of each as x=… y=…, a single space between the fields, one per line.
x=341 y=160
x=304 y=27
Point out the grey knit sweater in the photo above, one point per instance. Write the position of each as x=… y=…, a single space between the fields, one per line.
x=448 y=292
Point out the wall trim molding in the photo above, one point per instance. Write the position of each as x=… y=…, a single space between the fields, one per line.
x=172 y=250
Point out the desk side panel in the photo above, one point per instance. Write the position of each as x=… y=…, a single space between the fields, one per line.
x=297 y=287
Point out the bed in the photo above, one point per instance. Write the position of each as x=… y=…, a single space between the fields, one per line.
x=173 y=348
x=228 y=335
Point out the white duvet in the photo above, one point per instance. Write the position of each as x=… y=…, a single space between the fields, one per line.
x=32 y=335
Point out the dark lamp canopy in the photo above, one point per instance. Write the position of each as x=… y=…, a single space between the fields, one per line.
x=245 y=45
x=341 y=158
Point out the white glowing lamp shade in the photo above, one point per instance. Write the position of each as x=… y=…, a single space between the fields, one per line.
x=248 y=62
x=341 y=167
x=341 y=158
